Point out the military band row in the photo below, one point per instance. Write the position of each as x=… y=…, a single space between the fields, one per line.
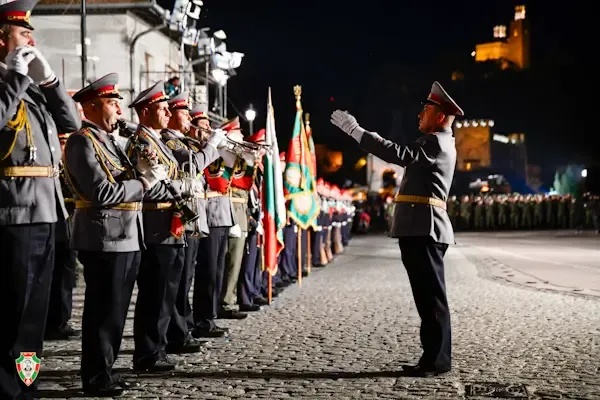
x=170 y=204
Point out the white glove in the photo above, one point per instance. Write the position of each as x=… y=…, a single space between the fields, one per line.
x=348 y=124
x=235 y=231
x=259 y=229
x=228 y=157
x=217 y=137
x=249 y=158
x=144 y=166
x=39 y=69
x=155 y=174
x=19 y=60
x=191 y=187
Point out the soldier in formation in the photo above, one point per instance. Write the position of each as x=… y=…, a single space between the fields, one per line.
x=34 y=109
x=524 y=212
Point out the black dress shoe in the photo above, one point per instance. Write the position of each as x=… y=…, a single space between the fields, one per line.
x=123 y=384
x=153 y=366
x=231 y=314
x=212 y=332
x=111 y=390
x=250 y=307
x=190 y=345
x=418 y=371
x=261 y=301
x=63 y=332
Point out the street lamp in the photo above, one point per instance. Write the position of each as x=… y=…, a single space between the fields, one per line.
x=584 y=173
x=250 y=116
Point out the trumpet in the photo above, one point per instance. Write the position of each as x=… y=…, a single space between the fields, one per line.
x=239 y=148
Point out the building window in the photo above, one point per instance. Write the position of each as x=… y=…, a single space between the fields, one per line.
x=148 y=61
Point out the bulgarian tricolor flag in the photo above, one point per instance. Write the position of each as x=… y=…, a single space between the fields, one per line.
x=274 y=218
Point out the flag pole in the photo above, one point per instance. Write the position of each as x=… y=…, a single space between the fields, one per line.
x=308 y=250
x=299 y=251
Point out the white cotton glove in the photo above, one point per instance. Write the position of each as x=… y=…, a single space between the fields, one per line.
x=143 y=165
x=19 y=60
x=216 y=138
x=259 y=229
x=249 y=158
x=191 y=187
x=228 y=157
x=39 y=69
x=347 y=123
x=235 y=231
x=154 y=174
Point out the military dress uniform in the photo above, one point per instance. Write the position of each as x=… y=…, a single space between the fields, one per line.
x=108 y=235
x=163 y=259
x=248 y=289
x=241 y=184
x=187 y=150
x=31 y=116
x=421 y=223
x=210 y=264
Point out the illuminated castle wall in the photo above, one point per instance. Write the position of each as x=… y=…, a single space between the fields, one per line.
x=511 y=46
x=477 y=146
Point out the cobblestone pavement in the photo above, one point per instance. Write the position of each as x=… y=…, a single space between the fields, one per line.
x=345 y=333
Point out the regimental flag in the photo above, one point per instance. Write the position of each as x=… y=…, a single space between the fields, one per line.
x=313 y=161
x=243 y=175
x=311 y=146
x=299 y=183
x=274 y=212
x=219 y=175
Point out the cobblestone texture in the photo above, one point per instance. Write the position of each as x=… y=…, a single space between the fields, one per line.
x=347 y=331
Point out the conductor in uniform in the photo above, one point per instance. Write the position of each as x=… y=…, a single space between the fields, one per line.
x=420 y=221
x=107 y=229
x=34 y=108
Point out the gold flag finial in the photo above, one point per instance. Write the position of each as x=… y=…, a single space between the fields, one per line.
x=307 y=119
x=298 y=94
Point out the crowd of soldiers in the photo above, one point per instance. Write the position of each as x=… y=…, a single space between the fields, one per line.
x=169 y=204
x=527 y=212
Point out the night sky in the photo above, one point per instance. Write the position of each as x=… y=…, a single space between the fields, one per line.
x=378 y=59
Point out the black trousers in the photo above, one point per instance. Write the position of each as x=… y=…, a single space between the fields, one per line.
x=182 y=319
x=424 y=262
x=258 y=284
x=158 y=282
x=64 y=277
x=109 y=280
x=27 y=253
x=210 y=267
x=246 y=282
x=289 y=256
x=315 y=244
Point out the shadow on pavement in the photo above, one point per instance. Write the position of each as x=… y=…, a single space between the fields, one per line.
x=51 y=376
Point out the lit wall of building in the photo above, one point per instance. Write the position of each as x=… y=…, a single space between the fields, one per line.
x=510 y=46
x=473 y=144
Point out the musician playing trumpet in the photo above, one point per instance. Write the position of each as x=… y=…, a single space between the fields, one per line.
x=193 y=157
x=107 y=229
x=210 y=263
x=164 y=233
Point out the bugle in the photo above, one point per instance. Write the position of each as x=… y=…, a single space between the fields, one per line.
x=239 y=148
